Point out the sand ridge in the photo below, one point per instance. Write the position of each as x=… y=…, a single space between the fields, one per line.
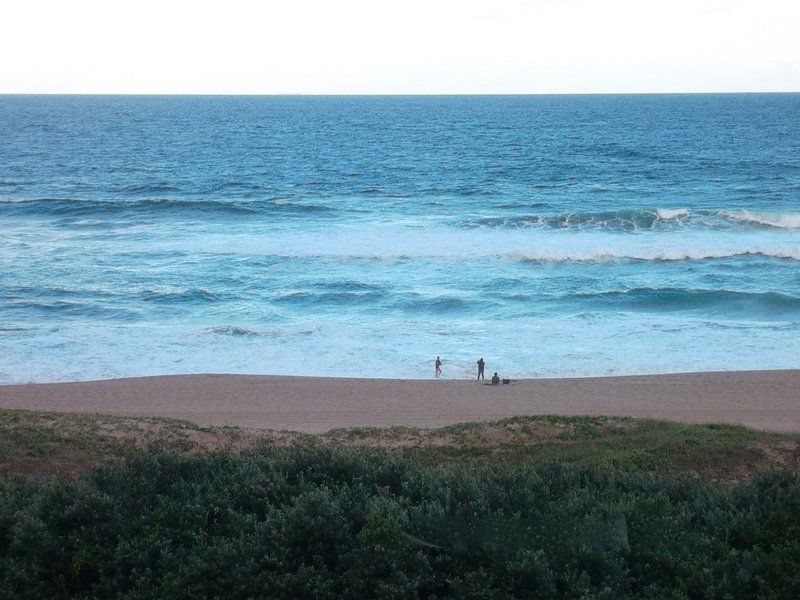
x=767 y=400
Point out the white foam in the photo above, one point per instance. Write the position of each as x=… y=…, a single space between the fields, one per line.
x=672 y=213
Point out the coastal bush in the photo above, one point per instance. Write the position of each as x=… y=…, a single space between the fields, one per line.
x=348 y=523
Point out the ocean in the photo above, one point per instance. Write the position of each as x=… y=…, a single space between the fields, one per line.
x=363 y=236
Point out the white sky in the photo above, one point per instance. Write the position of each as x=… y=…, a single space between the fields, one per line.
x=398 y=46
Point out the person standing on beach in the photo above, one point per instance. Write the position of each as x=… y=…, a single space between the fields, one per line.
x=438 y=370
x=481 y=364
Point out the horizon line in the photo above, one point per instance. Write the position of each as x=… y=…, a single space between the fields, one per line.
x=402 y=94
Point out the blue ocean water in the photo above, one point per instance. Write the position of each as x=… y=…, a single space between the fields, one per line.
x=362 y=236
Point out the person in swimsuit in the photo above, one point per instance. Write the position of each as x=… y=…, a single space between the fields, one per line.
x=481 y=364
x=495 y=378
x=438 y=370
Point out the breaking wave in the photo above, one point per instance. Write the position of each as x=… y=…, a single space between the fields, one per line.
x=643 y=219
x=781 y=220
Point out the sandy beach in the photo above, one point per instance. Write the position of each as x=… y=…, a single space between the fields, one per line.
x=768 y=400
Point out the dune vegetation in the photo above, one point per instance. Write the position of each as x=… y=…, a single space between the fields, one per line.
x=528 y=507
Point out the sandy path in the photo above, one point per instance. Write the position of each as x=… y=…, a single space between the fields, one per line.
x=761 y=399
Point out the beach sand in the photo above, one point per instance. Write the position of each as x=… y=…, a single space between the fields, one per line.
x=767 y=400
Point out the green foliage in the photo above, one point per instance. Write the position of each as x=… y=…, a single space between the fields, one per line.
x=352 y=523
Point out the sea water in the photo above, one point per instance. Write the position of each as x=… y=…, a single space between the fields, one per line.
x=364 y=236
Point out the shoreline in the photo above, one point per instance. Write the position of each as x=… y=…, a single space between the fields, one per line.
x=768 y=400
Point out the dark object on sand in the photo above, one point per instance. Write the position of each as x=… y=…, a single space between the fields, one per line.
x=506 y=381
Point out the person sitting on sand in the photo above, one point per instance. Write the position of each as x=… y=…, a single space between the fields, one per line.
x=438 y=370
x=480 y=369
x=495 y=378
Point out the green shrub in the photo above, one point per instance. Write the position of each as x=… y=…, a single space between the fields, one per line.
x=349 y=523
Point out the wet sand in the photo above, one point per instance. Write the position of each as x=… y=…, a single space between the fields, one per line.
x=767 y=400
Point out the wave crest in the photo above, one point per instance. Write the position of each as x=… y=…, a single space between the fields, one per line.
x=781 y=220
x=246 y=332
x=658 y=256
x=642 y=219
x=677 y=299
x=62 y=207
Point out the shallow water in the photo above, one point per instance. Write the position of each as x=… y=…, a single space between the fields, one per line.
x=362 y=236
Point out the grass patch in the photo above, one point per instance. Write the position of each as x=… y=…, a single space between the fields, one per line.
x=51 y=443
